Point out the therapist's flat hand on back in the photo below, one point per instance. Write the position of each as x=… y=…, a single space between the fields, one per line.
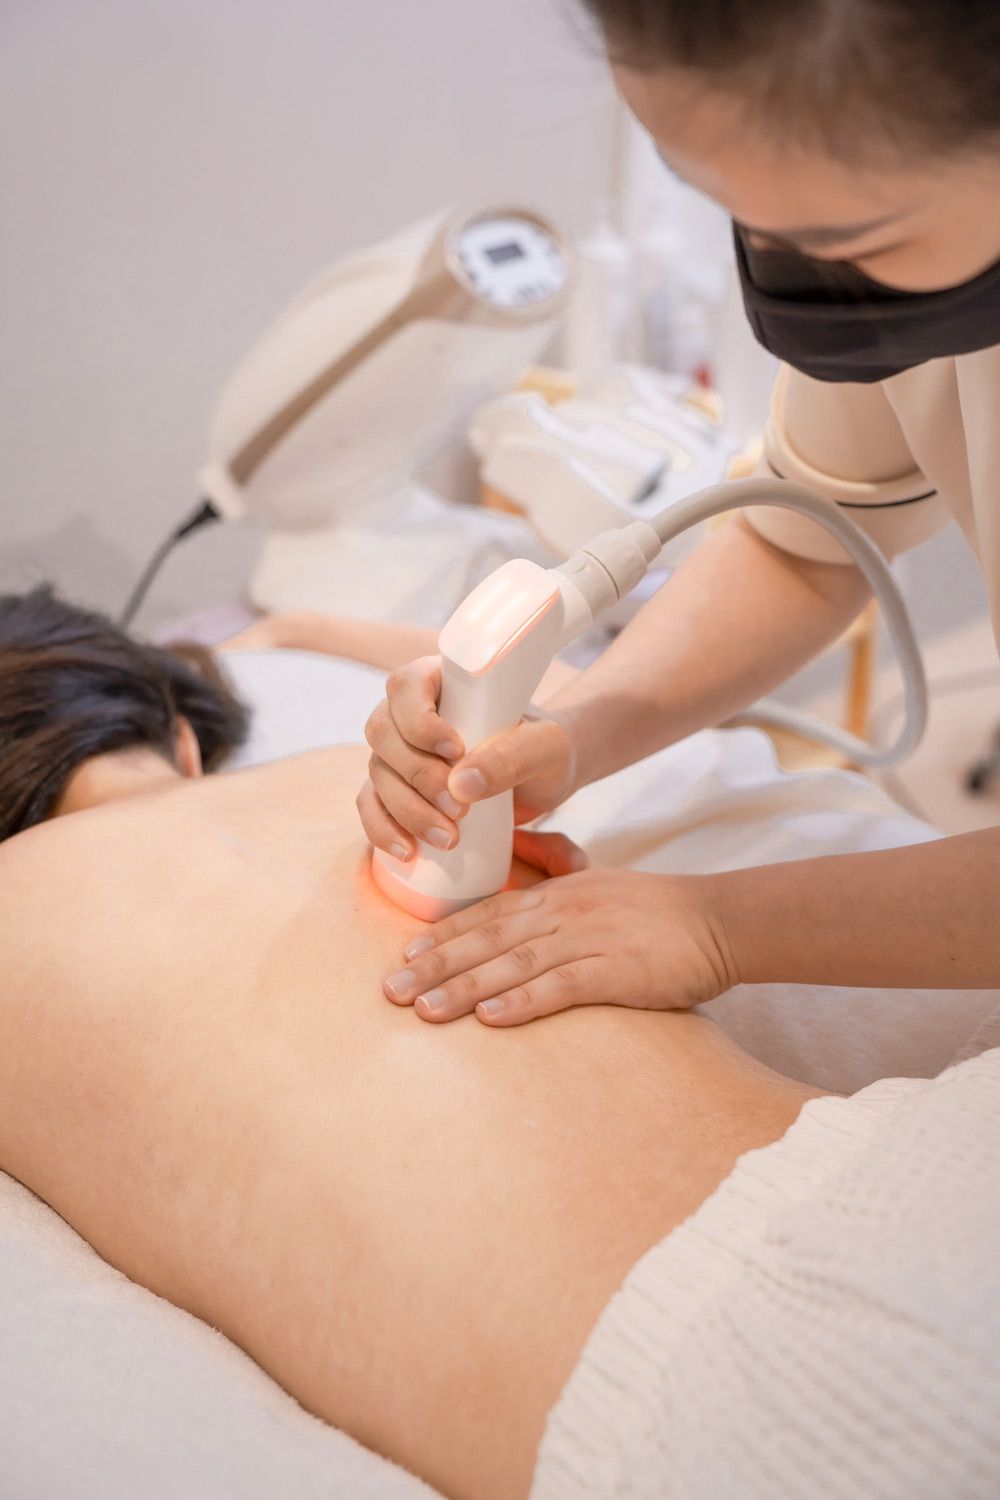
x=421 y=781
x=600 y=937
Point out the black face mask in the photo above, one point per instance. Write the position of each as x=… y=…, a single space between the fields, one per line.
x=833 y=322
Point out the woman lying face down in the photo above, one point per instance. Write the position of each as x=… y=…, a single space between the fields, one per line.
x=412 y=1228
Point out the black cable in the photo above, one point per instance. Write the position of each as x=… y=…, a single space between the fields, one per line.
x=203 y=513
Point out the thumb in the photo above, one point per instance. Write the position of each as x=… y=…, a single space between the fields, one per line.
x=534 y=749
x=552 y=853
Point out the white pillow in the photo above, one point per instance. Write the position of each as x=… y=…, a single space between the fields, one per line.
x=299 y=700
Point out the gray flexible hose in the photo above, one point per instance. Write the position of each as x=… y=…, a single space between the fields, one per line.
x=740 y=493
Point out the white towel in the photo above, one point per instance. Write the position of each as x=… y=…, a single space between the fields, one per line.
x=827 y=1324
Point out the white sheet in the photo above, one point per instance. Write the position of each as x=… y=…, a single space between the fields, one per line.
x=300 y=701
x=106 y=1391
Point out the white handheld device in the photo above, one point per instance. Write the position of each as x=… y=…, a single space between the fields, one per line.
x=498 y=643
x=494 y=652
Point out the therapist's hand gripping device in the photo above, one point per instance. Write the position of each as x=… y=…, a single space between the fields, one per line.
x=497 y=645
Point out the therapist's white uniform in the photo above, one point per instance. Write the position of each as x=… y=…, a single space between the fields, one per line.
x=904 y=457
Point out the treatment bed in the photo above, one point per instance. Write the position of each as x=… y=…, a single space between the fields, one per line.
x=106 y=1391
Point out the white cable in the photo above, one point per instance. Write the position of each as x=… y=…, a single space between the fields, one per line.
x=740 y=493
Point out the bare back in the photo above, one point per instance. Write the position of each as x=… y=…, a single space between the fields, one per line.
x=413 y=1228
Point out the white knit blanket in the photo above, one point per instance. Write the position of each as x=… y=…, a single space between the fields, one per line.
x=825 y=1327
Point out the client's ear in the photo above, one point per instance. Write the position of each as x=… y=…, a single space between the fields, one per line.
x=187 y=751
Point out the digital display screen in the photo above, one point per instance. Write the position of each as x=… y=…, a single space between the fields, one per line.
x=499 y=254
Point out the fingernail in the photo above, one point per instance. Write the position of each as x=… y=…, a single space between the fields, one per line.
x=399 y=851
x=578 y=861
x=401 y=985
x=447 y=804
x=469 y=783
x=422 y=944
x=447 y=750
x=434 y=999
x=491 y=1007
x=439 y=837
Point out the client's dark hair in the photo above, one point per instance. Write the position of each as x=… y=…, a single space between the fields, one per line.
x=920 y=75
x=73 y=685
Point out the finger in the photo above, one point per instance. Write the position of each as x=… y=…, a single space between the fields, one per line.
x=493 y=908
x=427 y=774
x=410 y=810
x=491 y=958
x=512 y=971
x=381 y=830
x=535 y=748
x=584 y=981
x=412 y=693
x=552 y=852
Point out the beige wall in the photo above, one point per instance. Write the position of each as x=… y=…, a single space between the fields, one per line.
x=173 y=170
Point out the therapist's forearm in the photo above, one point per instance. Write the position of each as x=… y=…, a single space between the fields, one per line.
x=736 y=620
x=926 y=916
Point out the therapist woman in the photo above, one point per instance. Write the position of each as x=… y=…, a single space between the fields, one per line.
x=856 y=145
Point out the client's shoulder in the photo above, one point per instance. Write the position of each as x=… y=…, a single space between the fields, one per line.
x=156 y=828
x=335 y=771
x=141 y=848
